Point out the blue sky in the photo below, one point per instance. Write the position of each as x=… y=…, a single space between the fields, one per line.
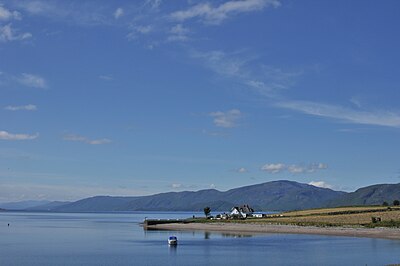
x=136 y=98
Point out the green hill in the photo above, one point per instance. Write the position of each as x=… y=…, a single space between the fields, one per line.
x=371 y=195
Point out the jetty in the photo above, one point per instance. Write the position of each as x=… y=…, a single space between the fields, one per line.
x=147 y=223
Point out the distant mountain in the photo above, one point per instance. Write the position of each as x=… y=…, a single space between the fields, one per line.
x=276 y=195
x=21 y=205
x=371 y=195
x=48 y=206
x=96 y=204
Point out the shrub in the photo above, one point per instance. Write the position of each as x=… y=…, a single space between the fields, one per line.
x=396 y=203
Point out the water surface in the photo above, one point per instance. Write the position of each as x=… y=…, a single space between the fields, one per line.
x=117 y=239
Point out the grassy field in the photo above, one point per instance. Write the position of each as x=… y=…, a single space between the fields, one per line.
x=343 y=216
x=350 y=216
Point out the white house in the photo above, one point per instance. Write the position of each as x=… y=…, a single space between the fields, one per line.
x=242 y=211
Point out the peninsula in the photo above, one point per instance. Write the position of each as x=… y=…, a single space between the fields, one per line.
x=366 y=221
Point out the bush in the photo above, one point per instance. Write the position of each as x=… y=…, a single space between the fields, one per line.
x=385 y=203
x=396 y=203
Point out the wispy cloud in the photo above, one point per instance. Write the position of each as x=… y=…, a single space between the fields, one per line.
x=226 y=119
x=265 y=80
x=6 y=14
x=32 y=80
x=378 y=117
x=29 y=107
x=137 y=30
x=8 y=34
x=78 y=138
x=119 y=12
x=4 y=135
x=299 y=169
x=178 y=33
x=210 y=14
x=85 y=14
x=153 y=4
x=293 y=168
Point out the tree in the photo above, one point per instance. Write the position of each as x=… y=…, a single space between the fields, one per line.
x=207 y=211
x=396 y=203
x=385 y=203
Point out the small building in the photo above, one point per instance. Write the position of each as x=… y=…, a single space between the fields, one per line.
x=243 y=211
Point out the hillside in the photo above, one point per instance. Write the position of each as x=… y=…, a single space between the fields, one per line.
x=282 y=195
x=271 y=196
x=371 y=195
x=276 y=195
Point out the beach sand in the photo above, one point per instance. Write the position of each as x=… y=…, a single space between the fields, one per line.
x=247 y=228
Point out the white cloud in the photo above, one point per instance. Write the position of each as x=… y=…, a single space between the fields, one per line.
x=242 y=170
x=176 y=185
x=6 y=14
x=215 y=15
x=378 y=118
x=293 y=168
x=178 y=33
x=226 y=119
x=274 y=168
x=72 y=137
x=321 y=184
x=119 y=12
x=4 y=135
x=8 y=34
x=29 y=107
x=31 y=80
x=299 y=169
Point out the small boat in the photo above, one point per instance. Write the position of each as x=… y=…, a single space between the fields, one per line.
x=172 y=240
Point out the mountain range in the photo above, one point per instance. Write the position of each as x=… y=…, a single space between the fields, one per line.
x=271 y=196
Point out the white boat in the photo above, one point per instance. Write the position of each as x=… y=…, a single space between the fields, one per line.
x=172 y=240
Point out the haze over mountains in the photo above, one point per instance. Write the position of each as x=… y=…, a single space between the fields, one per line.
x=276 y=195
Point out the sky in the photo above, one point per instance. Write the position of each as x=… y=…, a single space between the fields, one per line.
x=134 y=98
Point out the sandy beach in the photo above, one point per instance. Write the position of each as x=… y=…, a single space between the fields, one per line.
x=237 y=228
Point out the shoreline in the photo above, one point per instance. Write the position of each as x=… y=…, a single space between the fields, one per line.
x=238 y=228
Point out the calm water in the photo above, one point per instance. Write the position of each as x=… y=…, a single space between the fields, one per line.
x=117 y=239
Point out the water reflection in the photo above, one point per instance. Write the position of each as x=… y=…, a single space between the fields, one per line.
x=207 y=235
x=236 y=235
x=172 y=249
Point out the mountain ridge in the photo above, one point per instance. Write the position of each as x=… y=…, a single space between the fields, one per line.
x=281 y=195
